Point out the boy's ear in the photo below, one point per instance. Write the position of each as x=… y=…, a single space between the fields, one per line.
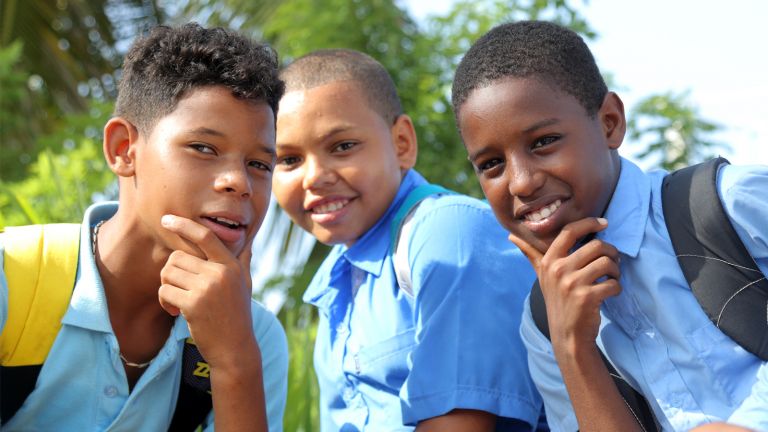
x=612 y=119
x=404 y=139
x=120 y=138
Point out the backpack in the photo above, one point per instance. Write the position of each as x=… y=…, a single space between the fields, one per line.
x=400 y=228
x=722 y=274
x=40 y=266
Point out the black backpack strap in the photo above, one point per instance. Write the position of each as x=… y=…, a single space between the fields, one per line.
x=194 y=402
x=635 y=401
x=722 y=274
x=16 y=383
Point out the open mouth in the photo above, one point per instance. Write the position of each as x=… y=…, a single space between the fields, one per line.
x=543 y=213
x=228 y=223
x=330 y=207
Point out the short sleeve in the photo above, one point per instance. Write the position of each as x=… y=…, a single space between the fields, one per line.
x=546 y=374
x=469 y=283
x=274 y=364
x=742 y=191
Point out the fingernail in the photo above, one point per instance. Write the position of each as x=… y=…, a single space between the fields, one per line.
x=602 y=221
x=167 y=220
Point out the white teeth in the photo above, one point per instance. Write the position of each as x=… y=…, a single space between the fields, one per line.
x=544 y=212
x=331 y=207
x=226 y=221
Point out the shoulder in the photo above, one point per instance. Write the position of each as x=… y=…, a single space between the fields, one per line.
x=458 y=213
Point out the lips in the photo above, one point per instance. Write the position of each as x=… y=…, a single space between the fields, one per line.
x=544 y=212
x=329 y=207
x=229 y=228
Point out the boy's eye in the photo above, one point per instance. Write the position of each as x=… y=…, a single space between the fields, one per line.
x=203 y=148
x=288 y=160
x=344 y=146
x=260 y=165
x=543 y=141
x=487 y=165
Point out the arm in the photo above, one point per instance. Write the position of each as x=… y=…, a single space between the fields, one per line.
x=460 y=420
x=456 y=281
x=574 y=286
x=213 y=292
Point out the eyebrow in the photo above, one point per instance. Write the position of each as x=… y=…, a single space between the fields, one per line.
x=323 y=137
x=213 y=132
x=541 y=124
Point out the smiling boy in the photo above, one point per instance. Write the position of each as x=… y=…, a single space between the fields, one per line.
x=438 y=356
x=543 y=133
x=192 y=144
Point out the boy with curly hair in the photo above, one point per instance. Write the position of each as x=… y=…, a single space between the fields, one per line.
x=192 y=144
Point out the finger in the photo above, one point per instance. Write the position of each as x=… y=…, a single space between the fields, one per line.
x=213 y=249
x=533 y=254
x=171 y=298
x=606 y=288
x=181 y=278
x=592 y=251
x=186 y=261
x=602 y=267
x=573 y=233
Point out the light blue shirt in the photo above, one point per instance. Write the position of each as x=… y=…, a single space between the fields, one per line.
x=385 y=358
x=655 y=332
x=82 y=385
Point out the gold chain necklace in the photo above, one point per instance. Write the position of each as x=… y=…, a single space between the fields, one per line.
x=93 y=249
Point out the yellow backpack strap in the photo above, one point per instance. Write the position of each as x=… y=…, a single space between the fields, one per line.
x=40 y=266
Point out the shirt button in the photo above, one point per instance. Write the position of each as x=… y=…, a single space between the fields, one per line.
x=348 y=394
x=110 y=391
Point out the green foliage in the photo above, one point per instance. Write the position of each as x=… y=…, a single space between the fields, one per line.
x=672 y=130
x=61 y=182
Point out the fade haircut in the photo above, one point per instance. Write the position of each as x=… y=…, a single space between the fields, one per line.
x=162 y=67
x=331 y=65
x=544 y=51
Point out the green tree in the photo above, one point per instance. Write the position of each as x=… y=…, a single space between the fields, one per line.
x=70 y=51
x=672 y=131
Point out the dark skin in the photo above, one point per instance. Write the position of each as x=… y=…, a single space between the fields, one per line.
x=548 y=169
x=162 y=254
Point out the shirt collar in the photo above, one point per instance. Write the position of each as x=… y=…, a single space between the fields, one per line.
x=88 y=307
x=368 y=253
x=627 y=213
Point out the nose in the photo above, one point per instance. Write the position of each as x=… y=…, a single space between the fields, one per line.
x=235 y=180
x=317 y=174
x=523 y=178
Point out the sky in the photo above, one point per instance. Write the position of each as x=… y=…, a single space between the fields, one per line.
x=714 y=50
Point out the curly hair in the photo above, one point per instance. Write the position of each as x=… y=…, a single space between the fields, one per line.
x=550 y=53
x=161 y=67
x=330 y=65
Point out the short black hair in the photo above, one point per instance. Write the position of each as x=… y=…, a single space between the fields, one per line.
x=552 y=54
x=161 y=68
x=330 y=65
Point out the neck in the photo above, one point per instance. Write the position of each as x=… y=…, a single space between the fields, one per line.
x=129 y=264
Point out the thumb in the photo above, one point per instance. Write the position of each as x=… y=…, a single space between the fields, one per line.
x=533 y=254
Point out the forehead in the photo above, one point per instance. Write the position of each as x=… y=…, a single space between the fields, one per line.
x=318 y=111
x=517 y=99
x=216 y=110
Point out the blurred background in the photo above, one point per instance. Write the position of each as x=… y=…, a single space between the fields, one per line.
x=690 y=73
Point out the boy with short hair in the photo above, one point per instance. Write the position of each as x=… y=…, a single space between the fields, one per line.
x=438 y=356
x=192 y=143
x=543 y=133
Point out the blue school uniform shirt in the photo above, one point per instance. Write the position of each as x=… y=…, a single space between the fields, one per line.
x=386 y=359
x=655 y=332
x=82 y=384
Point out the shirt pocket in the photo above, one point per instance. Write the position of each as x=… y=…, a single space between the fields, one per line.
x=723 y=360
x=385 y=363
